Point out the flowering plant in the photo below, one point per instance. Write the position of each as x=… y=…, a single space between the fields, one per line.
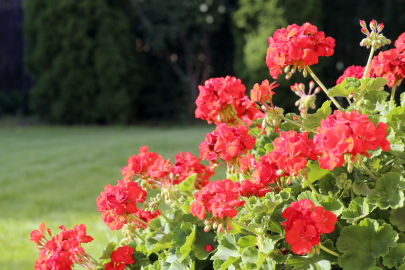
x=303 y=191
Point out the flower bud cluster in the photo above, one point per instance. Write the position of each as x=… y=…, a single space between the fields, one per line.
x=374 y=38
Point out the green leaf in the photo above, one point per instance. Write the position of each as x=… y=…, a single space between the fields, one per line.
x=315 y=172
x=375 y=100
x=250 y=254
x=377 y=84
x=247 y=241
x=314 y=120
x=108 y=250
x=181 y=232
x=227 y=248
x=186 y=248
x=201 y=240
x=188 y=183
x=176 y=265
x=395 y=257
x=388 y=191
x=398 y=218
x=358 y=209
x=306 y=263
x=223 y=265
x=158 y=242
x=362 y=244
x=309 y=195
x=333 y=205
x=360 y=188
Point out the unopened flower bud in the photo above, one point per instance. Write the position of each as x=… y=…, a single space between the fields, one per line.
x=275 y=122
x=305 y=73
x=351 y=95
x=288 y=76
x=214 y=167
x=303 y=113
x=311 y=84
x=373 y=25
x=49 y=232
x=363 y=42
x=296 y=118
x=299 y=69
x=287 y=69
x=380 y=27
x=207 y=228
x=364 y=31
x=264 y=123
x=297 y=103
x=317 y=90
x=362 y=23
x=301 y=86
x=280 y=172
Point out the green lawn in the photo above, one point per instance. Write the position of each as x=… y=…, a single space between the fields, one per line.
x=55 y=174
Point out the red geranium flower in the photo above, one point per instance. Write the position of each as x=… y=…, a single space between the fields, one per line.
x=298 y=46
x=219 y=197
x=400 y=43
x=390 y=65
x=121 y=258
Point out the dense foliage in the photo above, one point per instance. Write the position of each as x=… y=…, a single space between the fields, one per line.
x=307 y=191
x=83 y=61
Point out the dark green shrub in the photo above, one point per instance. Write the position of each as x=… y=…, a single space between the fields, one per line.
x=81 y=54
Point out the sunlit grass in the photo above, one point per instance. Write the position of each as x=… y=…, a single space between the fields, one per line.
x=55 y=174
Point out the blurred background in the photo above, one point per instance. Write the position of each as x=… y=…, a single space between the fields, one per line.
x=81 y=79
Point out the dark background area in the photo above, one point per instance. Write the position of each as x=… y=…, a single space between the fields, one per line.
x=137 y=62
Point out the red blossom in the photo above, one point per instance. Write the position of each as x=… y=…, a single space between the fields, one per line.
x=304 y=225
x=248 y=189
x=36 y=235
x=186 y=164
x=116 y=202
x=63 y=250
x=262 y=93
x=218 y=95
x=298 y=46
x=138 y=165
x=352 y=71
x=226 y=143
x=390 y=65
x=348 y=133
x=219 y=197
x=121 y=258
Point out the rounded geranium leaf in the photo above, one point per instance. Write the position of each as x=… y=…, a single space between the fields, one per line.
x=398 y=218
x=362 y=244
x=395 y=258
x=388 y=191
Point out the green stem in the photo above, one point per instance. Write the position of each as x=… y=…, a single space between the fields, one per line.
x=165 y=217
x=298 y=124
x=95 y=261
x=339 y=225
x=368 y=171
x=313 y=189
x=367 y=69
x=328 y=250
x=178 y=201
x=148 y=225
x=244 y=226
x=140 y=236
x=323 y=87
x=393 y=95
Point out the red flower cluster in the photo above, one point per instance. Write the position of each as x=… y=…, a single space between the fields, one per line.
x=255 y=188
x=186 y=164
x=117 y=202
x=226 y=143
x=266 y=171
x=63 y=250
x=146 y=164
x=390 y=65
x=221 y=94
x=352 y=71
x=219 y=197
x=292 y=151
x=298 y=46
x=120 y=258
x=145 y=216
x=304 y=225
x=348 y=133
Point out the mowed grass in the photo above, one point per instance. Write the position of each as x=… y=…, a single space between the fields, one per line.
x=55 y=174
